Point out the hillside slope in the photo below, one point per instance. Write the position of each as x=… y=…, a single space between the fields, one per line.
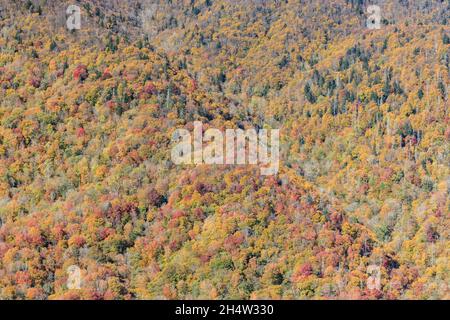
x=86 y=120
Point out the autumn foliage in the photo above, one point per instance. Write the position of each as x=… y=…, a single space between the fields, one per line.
x=86 y=120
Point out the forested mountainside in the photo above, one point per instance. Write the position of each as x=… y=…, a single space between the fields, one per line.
x=87 y=117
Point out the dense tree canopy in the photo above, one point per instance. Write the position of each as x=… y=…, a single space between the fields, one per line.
x=87 y=116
